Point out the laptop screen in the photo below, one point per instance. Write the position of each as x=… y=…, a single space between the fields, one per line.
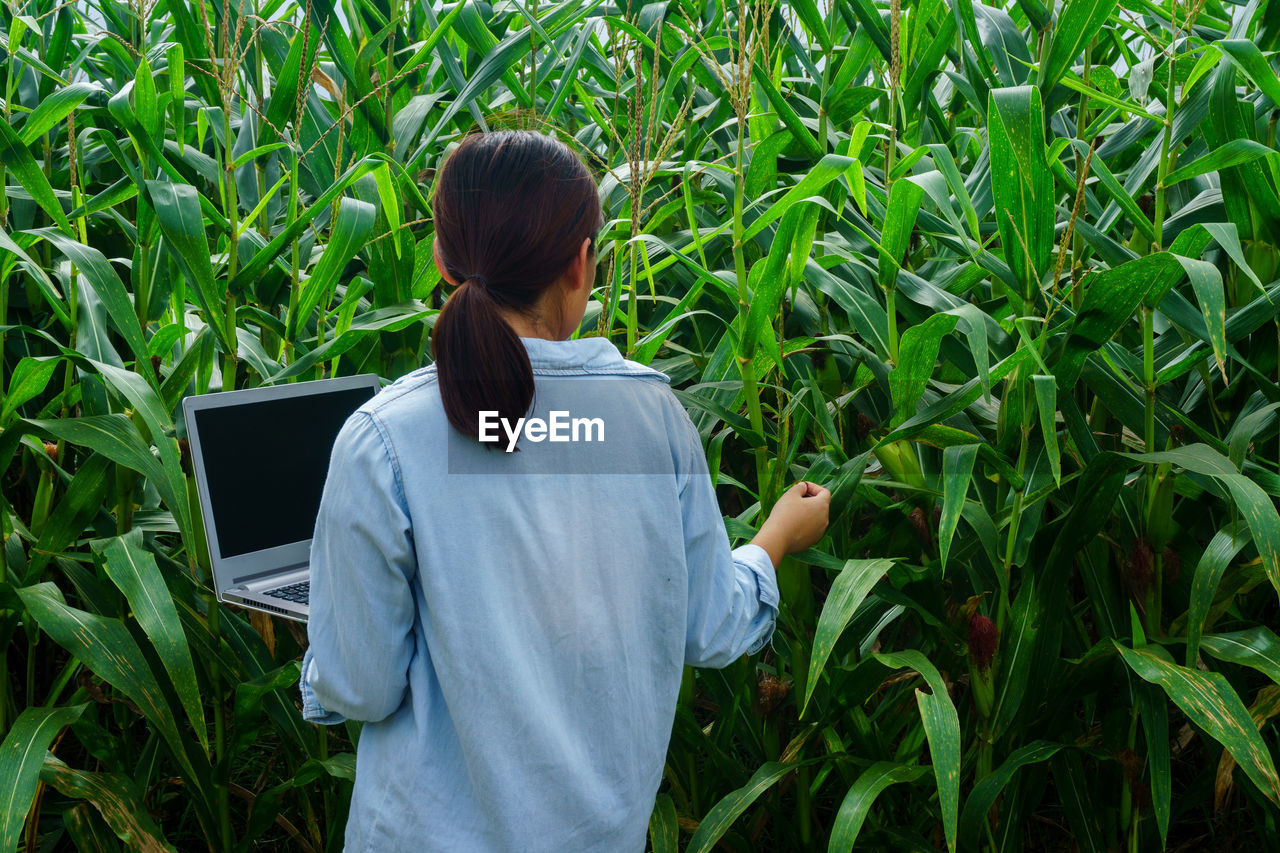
x=266 y=464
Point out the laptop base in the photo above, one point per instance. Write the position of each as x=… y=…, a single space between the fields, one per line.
x=257 y=600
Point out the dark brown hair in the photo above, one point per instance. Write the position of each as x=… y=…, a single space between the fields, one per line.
x=511 y=210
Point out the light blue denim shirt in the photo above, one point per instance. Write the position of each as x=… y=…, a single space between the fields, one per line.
x=513 y=626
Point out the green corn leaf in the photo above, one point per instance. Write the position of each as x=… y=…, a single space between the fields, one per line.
x=899 y=221
x=1153 y=707
x=1078 y=23
x=572 y=69
x=1249 y=59
x=268 y=254
x=115 y=797
x=858 y=801
x=175 y=59
x=848 y=591
x=178 y=212
x=29 y=378
x=814 y=181
x=21 y=757
x=762 y=171
x=429 y=45
x=102 y=644
x=53 y=109
x=767 y=282
x=17 y=159
x=1206 y=283
x=802 y=244
x=343 y=54
x=956 y=401
x=390 y=319
x=134 y=572
x=351 y=230
x=47 y=289
x=122 y=112
x=1234 y=153
x=930 y=62
x=787 y=113
x=498 y=60
x=985 y=72
x=1257 y=647
x=822 y=413
x=813 y=23
x=148 y=403
x=957 y=470
x=723 y=281
x=106 y=647
x=249 y=701
x=1254 y=504
x=93 y=327
x=845 y=484
x=1110 y=299
x=989 y=787
x=18 y=28
x=1046 y=390
x=664 y=831
x=86 y=830
x=975 y=325
x=946 y=163
x=727 y=810
x=107 y=284
x=81 y=502
x=198 y=354
x=254 y=153
x=1022 y=183
x=146 y=105
x=1007 y=45
x=1246 y=429
x=1210 y=702
x=942 y=729
x=1228 y=237
x=1072 y=782
x=1017 y=653
x=120 y=191
x=1116 y=190
x=284 y=95
x=390 y=201
x=114 y=436
x=917 y=357
x=1247 y=184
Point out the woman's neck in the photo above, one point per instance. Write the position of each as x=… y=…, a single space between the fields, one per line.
x=527 y=326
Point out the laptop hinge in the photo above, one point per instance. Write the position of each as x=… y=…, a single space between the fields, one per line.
x=245 y=580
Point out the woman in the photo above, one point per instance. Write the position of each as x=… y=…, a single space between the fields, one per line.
x=512 y=625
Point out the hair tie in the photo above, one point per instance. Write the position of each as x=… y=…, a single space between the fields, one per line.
x=484 y=282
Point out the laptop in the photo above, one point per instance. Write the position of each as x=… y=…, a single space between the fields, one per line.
x=260 y=457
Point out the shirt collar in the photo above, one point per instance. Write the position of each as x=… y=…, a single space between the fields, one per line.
x=580 y=352
x=582 y=355
x=594 y=355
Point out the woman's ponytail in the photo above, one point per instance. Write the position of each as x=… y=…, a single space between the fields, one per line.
x=481 y=365
x=511 y=210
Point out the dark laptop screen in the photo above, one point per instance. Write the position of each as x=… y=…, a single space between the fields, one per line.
x=266 y=463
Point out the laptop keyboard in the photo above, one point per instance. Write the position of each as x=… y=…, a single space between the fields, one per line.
x=296 y=592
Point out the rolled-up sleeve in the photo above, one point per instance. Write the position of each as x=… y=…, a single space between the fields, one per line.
x=360 y=628
x=733 y=594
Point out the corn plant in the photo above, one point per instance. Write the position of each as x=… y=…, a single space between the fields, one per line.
x=1005 y=278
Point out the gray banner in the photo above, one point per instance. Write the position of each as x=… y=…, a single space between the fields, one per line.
x=579 y=425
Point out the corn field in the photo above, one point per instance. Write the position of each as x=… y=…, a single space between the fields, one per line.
x=1005 y=278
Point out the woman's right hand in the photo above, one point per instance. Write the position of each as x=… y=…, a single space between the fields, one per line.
x=797 y=521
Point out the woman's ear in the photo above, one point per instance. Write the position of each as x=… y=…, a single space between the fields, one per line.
x=582 y=266
x=435 y=253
